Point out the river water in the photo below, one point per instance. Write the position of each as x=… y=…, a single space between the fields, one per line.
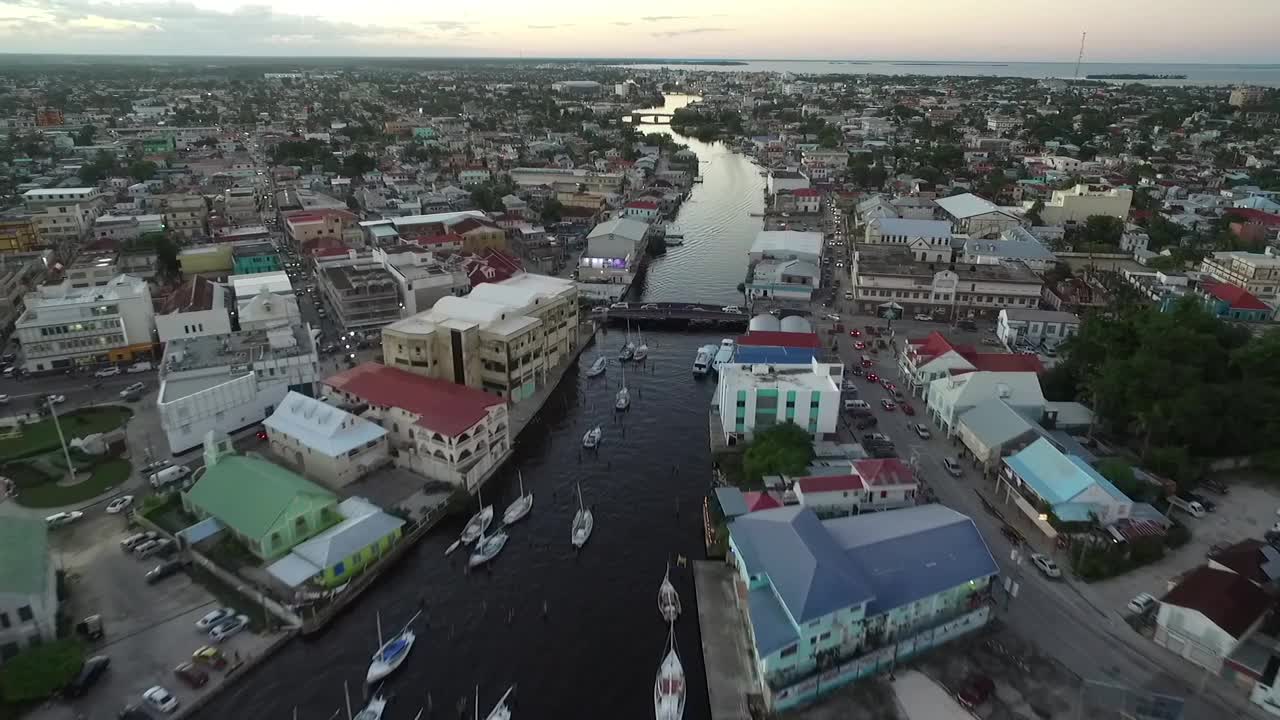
x=595 y=653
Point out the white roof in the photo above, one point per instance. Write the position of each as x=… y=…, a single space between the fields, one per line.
x=783 y=242
x=967 y=205
x=320 y=426
x=914 y=228
x=447 y=218
x=364 y=525
x=629 y=228
x=466 y=308
x=249 y=285
x=1018 y=389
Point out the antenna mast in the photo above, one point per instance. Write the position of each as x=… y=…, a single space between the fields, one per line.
x=1080 y=55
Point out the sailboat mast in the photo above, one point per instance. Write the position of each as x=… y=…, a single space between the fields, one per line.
x=379 y=616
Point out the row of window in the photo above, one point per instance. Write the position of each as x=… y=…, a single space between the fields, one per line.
x=963 y=297
x=24 y=615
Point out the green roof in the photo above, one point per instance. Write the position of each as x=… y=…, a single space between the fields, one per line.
x=24 y=555
x=251 y=496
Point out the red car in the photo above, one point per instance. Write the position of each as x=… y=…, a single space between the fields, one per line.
x=907 y=409
x=191 y=675
x=976 y=691
x=887 y=404
x=859 y=345
x=261 y=434
x=872 y=377
x=855 y=333
x=887 y=385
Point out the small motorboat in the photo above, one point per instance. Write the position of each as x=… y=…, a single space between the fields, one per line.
x=702 y=362
x=487 y=548
x=668 y=598
x=598 y=367
x=642 y=350
x=518 y=507
x=454 y=546
x=372 y=711
x=477 y=525
x=669 y=686
x=591 y=440
x=583 y=523
x=627 y=352
x=501 y=711
x=392 y=653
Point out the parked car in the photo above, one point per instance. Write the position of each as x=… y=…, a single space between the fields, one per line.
x=731 y=309
x=211 y=656
x=88 y=675
x=164 y=570
x=1046 y=566
x=227 y=628
x=120 y=504
x=191 y=675
x=976 y=690
x=888 y=404
x=133 y=541
x=952 y=466
x=920 y=429
x=107 y=372
x=853 y=406
x=153 y=548
x=921 y=317
x=214 y=617
x=1214 y=485
x=907 y=409
x=63 y=518
x=56 y=399
x=1142 y=603
x=160 y=699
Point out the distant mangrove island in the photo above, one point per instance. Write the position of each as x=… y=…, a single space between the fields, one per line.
x=1133 y=76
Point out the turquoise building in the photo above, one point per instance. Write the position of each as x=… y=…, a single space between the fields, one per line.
x=255 y=258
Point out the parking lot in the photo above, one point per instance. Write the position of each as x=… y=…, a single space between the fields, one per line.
x=148 y=629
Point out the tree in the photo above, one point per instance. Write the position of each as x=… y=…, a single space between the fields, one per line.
x=85 y=135
x=552 y=211
x=167 y=259
x=102 y=166
x=39 y=672
x=1033 y=213
x=1121 y=474
x=142 y=170
x=1101 y=230
x=358 y=164
x=784 y=449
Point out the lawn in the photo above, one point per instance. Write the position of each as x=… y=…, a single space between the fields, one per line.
x=42 y=436
x=107 y=475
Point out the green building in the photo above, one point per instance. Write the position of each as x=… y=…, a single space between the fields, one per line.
x=158 y=144
x=268 y=508
x=338 y=554
x=255 y=258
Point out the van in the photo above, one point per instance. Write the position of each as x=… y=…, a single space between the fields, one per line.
x=169 y=475
x=1190 y=507
x=138 y=367
x=856 y=406
x=848 y=296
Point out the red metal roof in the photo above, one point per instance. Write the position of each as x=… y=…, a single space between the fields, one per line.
x=888 y=471
x=804 y=192
x=1228 y=600
x=1237 y=297
x=441 y=406
x=829 y=483
x=643 y=204
x=773 y=338
x=1254 y=215
x=760 y=501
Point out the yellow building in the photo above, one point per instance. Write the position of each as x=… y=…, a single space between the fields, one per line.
x=479 y=234
x=206 y=259
x=18 y=233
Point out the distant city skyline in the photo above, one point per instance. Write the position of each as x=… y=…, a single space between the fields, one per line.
x=1141 y=31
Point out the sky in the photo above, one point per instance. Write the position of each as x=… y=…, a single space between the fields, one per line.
x=1211 y=31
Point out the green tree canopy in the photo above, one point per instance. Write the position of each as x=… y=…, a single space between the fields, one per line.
x=39 y=672
x=784 y=449
x=142 y=170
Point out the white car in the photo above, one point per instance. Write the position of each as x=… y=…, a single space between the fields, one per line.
x=922 y=317
x=4 y=399
x=952 y=466
x=63 y=518
x=107 y=372
x=1141 y=603
x=1046 y=566
x=229 y=627
x=833 y=317
x=922 y=431
x=120 y=504
x=214 y=618
x=160 y=699
x=731 y=309
x=56 y=399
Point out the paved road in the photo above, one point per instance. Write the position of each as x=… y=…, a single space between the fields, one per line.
x=1063 y=620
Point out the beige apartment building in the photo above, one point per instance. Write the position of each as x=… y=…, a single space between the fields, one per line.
x=1259 y=273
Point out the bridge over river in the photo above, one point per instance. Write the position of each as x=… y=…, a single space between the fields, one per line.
x=672 y=312
x=648 y=117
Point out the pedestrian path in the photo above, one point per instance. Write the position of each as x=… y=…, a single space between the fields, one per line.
x=724 y=644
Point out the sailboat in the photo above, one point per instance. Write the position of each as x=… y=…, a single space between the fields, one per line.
x=372 y=711
x=478 y=523
x=487 y=548
x=499 y=711
x=628 y=350
x=392 y=653
x=668 y=598
x=668 y=686
x=591 y=440
x=583 y=523
x=598 y=367
x=622 y=400
x=518 y=507
x=642 y=350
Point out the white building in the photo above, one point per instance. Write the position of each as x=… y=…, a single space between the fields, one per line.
x=950 y=397
x=787 y=180
x=752 y=396
x=325 y=443
x=977 y=216
x=1078 y=204
x=64 y=214
x=28 y=588
x=614 y=249
x=64 y=327
x=881 y=274
x=787 y=245
x=869 y=486
x=1014 y=245
x=196 y=308
x=928 y=240
x=228 y=382
x=1037 y=327
x=784 y=280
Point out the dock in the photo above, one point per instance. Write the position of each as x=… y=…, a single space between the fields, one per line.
x=726 y=652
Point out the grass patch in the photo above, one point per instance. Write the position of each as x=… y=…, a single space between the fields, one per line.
x=231 y=554
x=42 y=436
x=106 y=475
x=228 y=596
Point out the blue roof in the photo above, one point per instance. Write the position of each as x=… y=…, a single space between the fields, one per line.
x=807 y=569
x=773 y=355
x=1055 y=477
x=769 y=622
x=732 y=503
x=1073 y=512
x=913 y=553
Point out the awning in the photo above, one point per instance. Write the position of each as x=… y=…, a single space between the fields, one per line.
x=292 y=570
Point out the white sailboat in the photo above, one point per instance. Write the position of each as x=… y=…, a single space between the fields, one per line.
x=583 y=523
x=668 y=598
x=478 y=523
x=487 y=548
x=501 y=711
x=628 y=350
x=392 y=653
x=669 y=686
x=591 y=440
x=622 y=400
x=642 y=350
x=373 y=711
x=518 y=507
x=598 y=367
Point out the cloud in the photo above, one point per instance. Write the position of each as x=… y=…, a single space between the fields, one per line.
x=622 y=23
x=690 y=31
x=664 y=18
x=550 y=27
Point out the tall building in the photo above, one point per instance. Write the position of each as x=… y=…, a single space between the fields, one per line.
x=19 y=232
x=68 y=327
x=1247 y=96
x=28 y=588
x=65 y=214
x=1259 y=273
x=1079 y=203
x=752 y=397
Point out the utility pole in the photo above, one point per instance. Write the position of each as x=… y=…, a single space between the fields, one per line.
x=66 y=454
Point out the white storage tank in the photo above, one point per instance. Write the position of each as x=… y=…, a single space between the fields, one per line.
x=795 y=324
x=764 y=323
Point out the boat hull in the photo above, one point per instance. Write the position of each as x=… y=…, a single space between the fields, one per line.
x=517 y=510
x=583 y=524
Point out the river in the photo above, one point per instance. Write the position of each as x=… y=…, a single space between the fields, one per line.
x=595 y=653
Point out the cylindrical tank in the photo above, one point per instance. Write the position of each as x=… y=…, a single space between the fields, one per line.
x=795 y=324
x=764 y=323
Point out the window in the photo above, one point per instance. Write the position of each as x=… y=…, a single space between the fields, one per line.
x=24 y=613
x=788 y=652
x=824 y=636
x=4 y=620
x=884 y=494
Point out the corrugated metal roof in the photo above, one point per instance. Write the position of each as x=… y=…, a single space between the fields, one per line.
x=441 y=406
x=24 y=555
x=251 y=496
x=320 y=426
x=364 y=525
x=966 y=205
x=994 y=423
x=769 y=622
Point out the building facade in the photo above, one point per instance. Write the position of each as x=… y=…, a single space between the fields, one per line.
x=64 y=327
x=754 y=397
x=324 y=442
x=28 y=587
x=882 y=274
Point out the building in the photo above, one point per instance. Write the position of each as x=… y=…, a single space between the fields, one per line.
x=1247 y=96
x=847 y=594
x=976 y=216
x=64 y=214
x=991 y=430
x=928 y=240
x=312 y=230
x=255 y=257
x=333 y=557
x=783 y=280
x=93 y=268
x=195 y=308
x=28 y=587
x=883 y=274
x=1015 y=245
x=267 y=508
x=1259 y=273
x=1039 y=328
x=362 y=295
x=224 y=383
x=240 y=206
x=184 y=215
x=780 y=180
x=787 y=245
x=645 y=211
x=324 y=442
x=1208 y=614
x=872 y=485
x=1079 y=203
x=441 y=430
x=760 y=396
x=560 y=178
x=121 y=228
x=614 y=251
x=216 y=259
x=576 y=87
x=64 y=327
x=420 y=275
x=949 y=398
x=19 y=232
x=503 y=338
x=1049 y=486
x=1229 y=302
x=923 y=361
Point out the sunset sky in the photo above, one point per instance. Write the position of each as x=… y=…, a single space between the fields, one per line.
x=1006 y=30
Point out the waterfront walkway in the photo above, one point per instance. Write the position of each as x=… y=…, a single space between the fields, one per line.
x=523 y=412
x=724 y=642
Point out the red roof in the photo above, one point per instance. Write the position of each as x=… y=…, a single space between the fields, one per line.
x=1245 y=558
x=1228 y=600
x=441 y=406
x=1258 y=216
x=760 y=501
x=442 y=239
x=643 y=204
x=318 y=215
x=490 y=265
x=829 y=483
x=773 y=338
x=889 y=471
x=1237 y=297
x=805 y=192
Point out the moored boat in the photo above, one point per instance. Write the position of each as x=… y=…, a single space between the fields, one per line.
x=392 y=653
x=669 y=685
x=372 y=711
x=642 y=350
x=518 y=507
x=591 y=439
x=598 y=367
x=502 y=711
x=702 y=362
x=724 y=354
x=477 y=525
x=668 y=598
x=583 y=523
x=487 y=548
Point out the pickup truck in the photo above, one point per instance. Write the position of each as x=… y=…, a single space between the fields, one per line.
x=1189 y=506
